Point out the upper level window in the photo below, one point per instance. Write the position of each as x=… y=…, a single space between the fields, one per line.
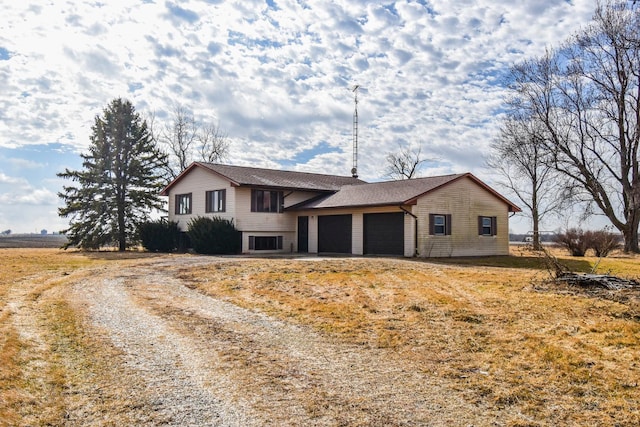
x=183 y=204
x=215 y=201
x=487 y=225
x=266 y=201
x=439 y=224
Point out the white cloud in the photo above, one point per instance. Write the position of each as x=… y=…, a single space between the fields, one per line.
x=278 y=81
x=5 y=179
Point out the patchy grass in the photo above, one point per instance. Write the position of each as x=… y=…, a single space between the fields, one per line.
x=490 y=328
x=483 y=325
x=17 y=266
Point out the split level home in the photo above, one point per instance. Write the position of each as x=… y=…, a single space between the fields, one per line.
x=286 y=211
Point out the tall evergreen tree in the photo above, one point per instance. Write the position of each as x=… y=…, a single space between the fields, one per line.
x=119 y=184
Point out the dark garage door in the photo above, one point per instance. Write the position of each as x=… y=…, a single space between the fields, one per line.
x=334 y=234
x=384 y=233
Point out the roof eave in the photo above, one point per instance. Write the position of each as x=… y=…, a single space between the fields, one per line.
x=301 y=207
x=165 y=191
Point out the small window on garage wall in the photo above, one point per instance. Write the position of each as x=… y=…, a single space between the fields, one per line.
x=440 y=224
x=487 y=225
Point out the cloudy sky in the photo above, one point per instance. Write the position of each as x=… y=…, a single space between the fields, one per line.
x=276 y=75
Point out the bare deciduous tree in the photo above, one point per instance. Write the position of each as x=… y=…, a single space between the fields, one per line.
x=587 y=97
x=405 y=164
x=213 y=144
x=520 y=160
x=187 y=140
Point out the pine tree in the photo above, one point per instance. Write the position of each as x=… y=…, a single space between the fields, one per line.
x=119 y=184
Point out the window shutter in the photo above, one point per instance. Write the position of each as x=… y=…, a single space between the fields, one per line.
x=432 y=224
x=223 y=200
x=480 y=225
x=447 y=225
x=176 y=208
x=280 y=202
x=207 y=201
x=279 y=242
x=494 y=226
x=252 y=242
x=253 y=200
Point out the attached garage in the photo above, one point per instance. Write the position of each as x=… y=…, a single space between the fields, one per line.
x=334 y=234
x=384 y=233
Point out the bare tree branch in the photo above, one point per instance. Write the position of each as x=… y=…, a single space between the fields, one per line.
x=405 y=164
x=186 y=140
x=586 y=95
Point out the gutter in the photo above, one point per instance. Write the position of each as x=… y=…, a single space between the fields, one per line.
x=415 y=230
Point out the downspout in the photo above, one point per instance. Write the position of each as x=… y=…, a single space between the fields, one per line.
x=415 y=230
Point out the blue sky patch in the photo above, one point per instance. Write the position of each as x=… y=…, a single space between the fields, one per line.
x=305 y=156
x=4 y=54
x=184 y=14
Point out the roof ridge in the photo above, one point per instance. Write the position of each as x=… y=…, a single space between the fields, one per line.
x=210 y=164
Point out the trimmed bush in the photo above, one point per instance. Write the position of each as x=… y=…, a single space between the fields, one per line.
x=214 y=236
x=159 y=236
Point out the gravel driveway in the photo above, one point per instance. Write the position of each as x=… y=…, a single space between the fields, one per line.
x=184 y=358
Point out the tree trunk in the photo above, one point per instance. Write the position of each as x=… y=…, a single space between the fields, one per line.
x=536 y=232
x=630 y=233
x=535 y=213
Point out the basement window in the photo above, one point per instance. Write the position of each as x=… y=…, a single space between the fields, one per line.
x=265 y=243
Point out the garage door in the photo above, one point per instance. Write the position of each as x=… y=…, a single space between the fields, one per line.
x=334 y=234
x=384 y=233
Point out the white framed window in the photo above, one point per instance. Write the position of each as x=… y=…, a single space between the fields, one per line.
x=487 y=225
x=440 y=224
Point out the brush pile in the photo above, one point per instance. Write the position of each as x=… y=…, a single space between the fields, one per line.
x=597 y=280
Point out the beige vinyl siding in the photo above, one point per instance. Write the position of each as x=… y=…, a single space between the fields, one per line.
x=293 y=198
x=465 y=201
x=268 y=223
x=410 y=233
x=288 y=241
x=248 y=221
x=198 y=182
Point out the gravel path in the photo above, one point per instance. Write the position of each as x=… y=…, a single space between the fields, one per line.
x=195 y=360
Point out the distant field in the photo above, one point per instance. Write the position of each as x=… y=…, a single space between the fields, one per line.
x=32 y=241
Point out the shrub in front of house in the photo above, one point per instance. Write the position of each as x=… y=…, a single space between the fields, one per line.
x=159 y=236
x=214 y=236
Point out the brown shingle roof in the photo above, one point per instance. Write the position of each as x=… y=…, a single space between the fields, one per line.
x=270 y=178
x=345 y=191
x=391 y=193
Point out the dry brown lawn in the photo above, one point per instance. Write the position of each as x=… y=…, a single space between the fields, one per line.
x=492 y=330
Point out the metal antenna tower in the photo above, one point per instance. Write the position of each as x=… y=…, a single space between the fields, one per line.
x=354 y=169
